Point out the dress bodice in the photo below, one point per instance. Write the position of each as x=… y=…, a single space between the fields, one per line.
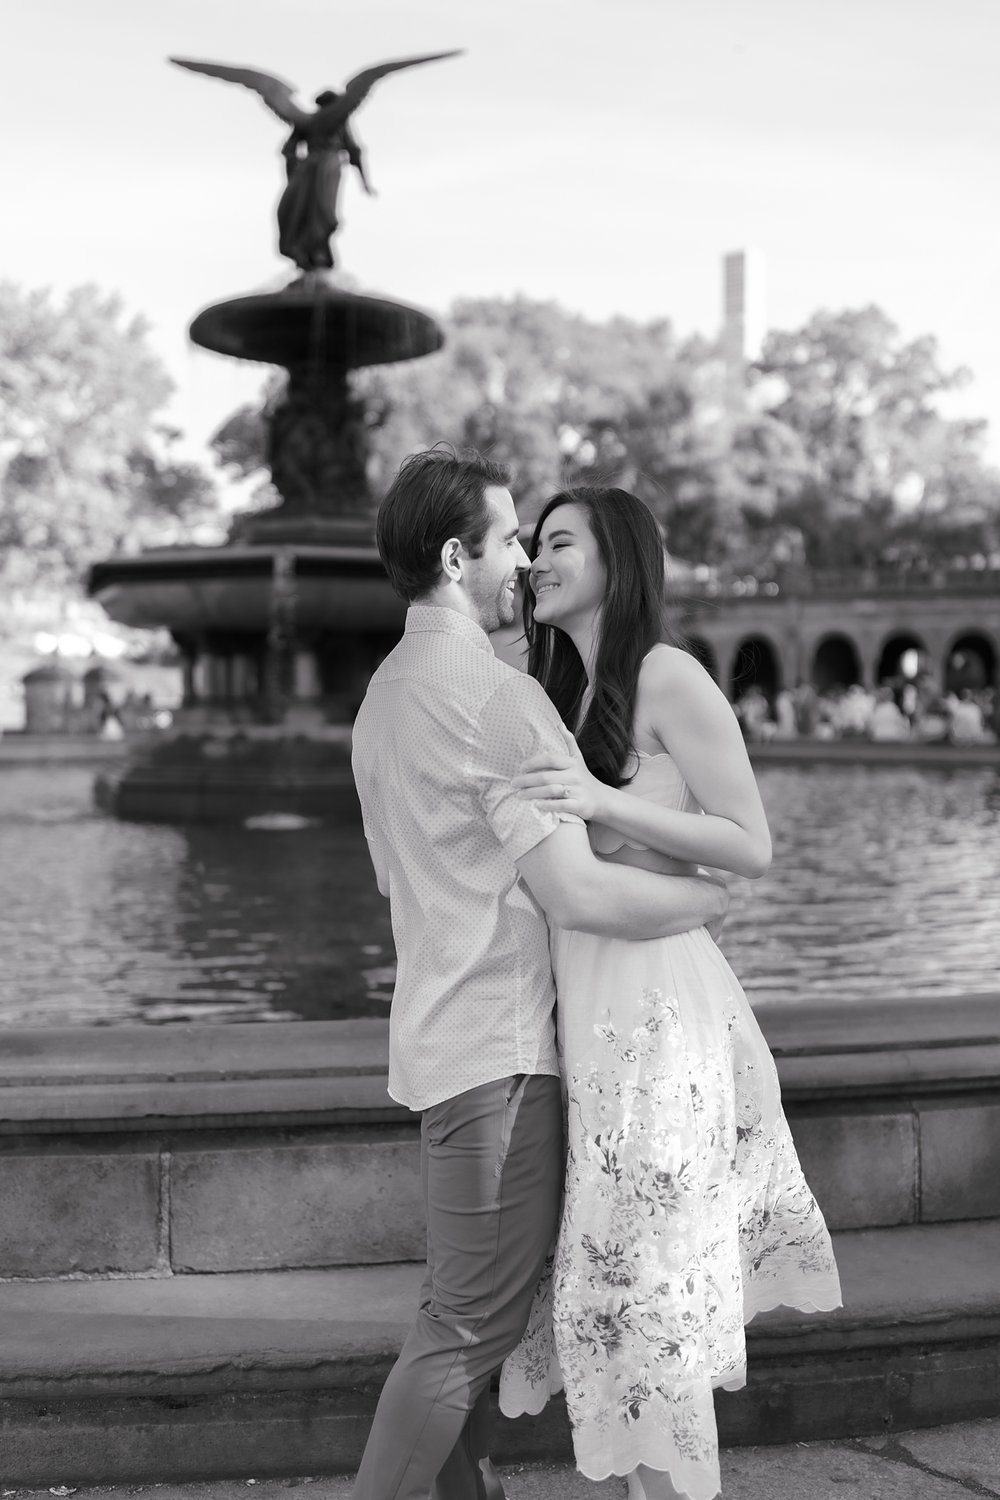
x=657 y=779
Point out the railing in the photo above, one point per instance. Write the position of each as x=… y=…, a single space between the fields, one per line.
x=866 y=582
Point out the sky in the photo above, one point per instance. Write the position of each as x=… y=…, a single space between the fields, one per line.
x=604 y=154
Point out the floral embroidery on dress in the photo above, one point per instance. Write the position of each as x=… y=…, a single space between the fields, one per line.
x=685 y=1211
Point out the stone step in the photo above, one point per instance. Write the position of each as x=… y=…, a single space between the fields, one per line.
x=277 y=1373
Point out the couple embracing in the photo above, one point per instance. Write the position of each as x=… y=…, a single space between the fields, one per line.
x=522 y=863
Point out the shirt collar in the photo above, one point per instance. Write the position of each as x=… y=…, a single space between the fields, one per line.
x=434 y=617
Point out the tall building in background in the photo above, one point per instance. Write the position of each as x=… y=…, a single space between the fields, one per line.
x=744 y=319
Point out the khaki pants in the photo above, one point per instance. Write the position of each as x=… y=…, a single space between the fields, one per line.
x=492 y=1163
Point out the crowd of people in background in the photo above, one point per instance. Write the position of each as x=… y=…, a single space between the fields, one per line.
x=901 y=708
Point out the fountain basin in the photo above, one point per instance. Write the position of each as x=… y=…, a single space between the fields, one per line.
x=279 y=630
x=311 y=322
x=188 y=589
x=235 y=750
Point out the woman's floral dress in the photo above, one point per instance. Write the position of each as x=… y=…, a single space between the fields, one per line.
x=686 y=1211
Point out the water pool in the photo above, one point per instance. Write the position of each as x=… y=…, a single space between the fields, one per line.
x=885 y=883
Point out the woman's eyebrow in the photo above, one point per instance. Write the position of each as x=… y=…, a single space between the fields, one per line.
x=553 y=534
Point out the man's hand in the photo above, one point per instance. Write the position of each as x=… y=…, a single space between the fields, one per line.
x=715 y=926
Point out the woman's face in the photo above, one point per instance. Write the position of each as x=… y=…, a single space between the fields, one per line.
x=568 y=577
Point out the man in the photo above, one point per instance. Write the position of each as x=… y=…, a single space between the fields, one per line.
x=472 y=871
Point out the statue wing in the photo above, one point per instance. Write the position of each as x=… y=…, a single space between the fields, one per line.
x=276 y=94
x=332 y=116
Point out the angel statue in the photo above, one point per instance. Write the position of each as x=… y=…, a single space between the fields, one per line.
x=314 y=153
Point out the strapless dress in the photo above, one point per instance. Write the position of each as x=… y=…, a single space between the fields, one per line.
x=686 y=1211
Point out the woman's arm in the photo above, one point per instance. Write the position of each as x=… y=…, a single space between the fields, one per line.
x=681 y=705
x=695 y=724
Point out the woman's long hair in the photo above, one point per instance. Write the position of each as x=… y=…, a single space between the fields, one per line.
x=630 y=623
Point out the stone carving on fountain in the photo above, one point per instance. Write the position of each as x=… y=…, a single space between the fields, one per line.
x=280 y=628
x=318 y=448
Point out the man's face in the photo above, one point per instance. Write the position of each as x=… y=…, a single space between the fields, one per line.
x=492 y=578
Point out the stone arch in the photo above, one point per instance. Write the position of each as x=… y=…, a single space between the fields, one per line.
x=703 y=651
x=970 y=662
x=836 y=663
x=892 y=651
x=756 y=663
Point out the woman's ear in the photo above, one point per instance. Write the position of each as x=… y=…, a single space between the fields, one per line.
x=451 y=560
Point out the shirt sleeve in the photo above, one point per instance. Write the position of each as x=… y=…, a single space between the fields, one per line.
x=517 y=721
x=376 y=851
x=373 y=836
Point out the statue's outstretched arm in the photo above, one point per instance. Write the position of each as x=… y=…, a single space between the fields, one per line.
x=356 y=157
x=358 y=161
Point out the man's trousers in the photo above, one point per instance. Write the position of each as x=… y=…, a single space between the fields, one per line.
x=492 y=1164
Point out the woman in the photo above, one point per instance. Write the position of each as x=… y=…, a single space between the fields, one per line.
x=686 y=1211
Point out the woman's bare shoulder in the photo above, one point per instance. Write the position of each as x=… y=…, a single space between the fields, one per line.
x=670 y=679
x=674 y=668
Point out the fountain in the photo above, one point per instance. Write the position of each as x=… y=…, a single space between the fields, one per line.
x=281 y=627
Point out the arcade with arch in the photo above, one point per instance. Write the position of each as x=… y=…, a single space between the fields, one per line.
x=971 y=662
x=777 y=652
x=756 y=664
x=836 y=663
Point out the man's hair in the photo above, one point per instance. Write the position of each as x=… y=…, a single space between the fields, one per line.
x=436 y=495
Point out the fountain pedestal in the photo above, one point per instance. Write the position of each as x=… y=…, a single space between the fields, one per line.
x=281 y=628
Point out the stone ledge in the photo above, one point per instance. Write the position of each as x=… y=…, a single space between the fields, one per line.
x=191 y=1053
x=895 y=1113
x=144 y=1077
x=20 y=749
x=159 y=1104
x=911 y=753
x=887 y=1133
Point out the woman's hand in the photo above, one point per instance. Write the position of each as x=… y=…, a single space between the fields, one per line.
x=562 y=781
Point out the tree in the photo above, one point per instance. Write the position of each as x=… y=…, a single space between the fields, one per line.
x=888 y=474
x=841 y=456
x=84 y=470
x=547 y=390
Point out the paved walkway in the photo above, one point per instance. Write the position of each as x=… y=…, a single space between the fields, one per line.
x=935 y=1463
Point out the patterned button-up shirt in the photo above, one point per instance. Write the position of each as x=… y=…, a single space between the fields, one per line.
x=443 y=729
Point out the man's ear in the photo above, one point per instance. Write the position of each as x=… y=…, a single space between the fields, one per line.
x=451 y=560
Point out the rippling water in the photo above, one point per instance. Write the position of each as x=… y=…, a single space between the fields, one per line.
x=884 y=883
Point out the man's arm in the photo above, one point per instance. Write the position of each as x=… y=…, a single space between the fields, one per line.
x=578 y=891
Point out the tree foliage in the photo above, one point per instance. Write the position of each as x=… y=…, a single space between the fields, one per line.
x=84 y=470
x=559 y=396
x=841 y=456
x=890 y=477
